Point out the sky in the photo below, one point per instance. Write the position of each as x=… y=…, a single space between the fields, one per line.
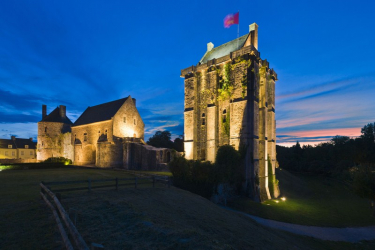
x=84 y=53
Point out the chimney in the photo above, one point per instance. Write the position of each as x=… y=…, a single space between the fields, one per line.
x=253 y=29
x=13 y=138
x=210 y=46
x=62 y=111
x=44 y=111
x=31 y=139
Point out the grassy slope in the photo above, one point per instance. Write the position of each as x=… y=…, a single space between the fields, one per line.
x=131 y=218
x=25 y=222
x=312 y=200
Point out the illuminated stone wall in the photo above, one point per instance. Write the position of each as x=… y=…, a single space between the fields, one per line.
x=52 y=138
x=250 y=110
x=85 y=138
x=127 y=122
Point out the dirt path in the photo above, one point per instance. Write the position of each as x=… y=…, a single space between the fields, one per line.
x=348 y=234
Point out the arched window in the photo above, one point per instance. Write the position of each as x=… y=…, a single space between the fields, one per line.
x=203 y=119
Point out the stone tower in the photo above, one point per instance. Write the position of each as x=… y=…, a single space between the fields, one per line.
x=54 y=134
x=230 y=99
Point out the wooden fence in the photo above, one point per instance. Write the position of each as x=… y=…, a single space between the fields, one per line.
x=78 y=241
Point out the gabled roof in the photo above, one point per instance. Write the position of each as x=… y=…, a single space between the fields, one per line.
x=98 y=113
x=17 y=143
x=224 y=49
x=20 y=143
x=5 y=142
x=54 y=116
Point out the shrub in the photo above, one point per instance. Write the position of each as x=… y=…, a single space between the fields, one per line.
x=66 y=161
x=228 y=165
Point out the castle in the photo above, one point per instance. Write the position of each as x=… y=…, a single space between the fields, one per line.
x=106 y=135
x=230 y=99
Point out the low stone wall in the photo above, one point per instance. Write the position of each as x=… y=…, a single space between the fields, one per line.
x=109 y=155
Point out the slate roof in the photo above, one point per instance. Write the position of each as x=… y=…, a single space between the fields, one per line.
x=224 y=49
x=17 y=143
x=54 y=116
x=101 y=112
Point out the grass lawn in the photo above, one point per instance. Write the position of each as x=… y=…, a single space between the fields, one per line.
x=312 y=200
x=25 y=222
x=143 y=218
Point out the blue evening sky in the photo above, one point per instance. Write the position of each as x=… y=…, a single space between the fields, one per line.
x=84 y=53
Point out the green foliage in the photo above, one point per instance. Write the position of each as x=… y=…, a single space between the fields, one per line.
x=364 y=182
x=63 y=160
x=226 y=88
x=161 y=139
x=226 y=123
x=272 y=181
x=207 y=97
x=228 y=166
x=194 y=176
x=178 y=144
x=202 y=177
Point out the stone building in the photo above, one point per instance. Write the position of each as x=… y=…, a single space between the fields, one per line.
x=17 y=149
x=97 y=134
x=54 y=134
x=230 y=99
x=106 y=135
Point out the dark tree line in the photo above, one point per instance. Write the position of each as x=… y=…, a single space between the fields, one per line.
x=352 y=160
x=162 y=139
x=335 y=157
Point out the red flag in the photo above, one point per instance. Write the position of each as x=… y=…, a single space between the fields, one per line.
x=231 y=19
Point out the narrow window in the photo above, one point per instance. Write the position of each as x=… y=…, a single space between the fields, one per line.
x=124 y=119
x=135 y=123
x=42 y=144
x=105 y=131
x=85 y=137
x=26 y=146
x=224 y=115
x=203 y=119
x=45 y=130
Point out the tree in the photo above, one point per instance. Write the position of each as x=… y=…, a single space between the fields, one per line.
x=368 y=133
x=364 y=184
x=161 y=139
x=340 y=140
x=178 y=144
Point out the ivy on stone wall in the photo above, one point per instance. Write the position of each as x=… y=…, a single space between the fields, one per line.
x=244 y=80
x=207 y=97
x=226 y=87
x=226 y=123
x=272 y=181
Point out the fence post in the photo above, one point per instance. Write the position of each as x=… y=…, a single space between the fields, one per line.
x=136 y=182
x=153 y=181
x=116 y=184
x=89 y=181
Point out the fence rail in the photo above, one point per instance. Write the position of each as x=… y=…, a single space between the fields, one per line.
x=135 y=181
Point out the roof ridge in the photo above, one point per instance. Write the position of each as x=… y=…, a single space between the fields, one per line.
x=107 y=102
